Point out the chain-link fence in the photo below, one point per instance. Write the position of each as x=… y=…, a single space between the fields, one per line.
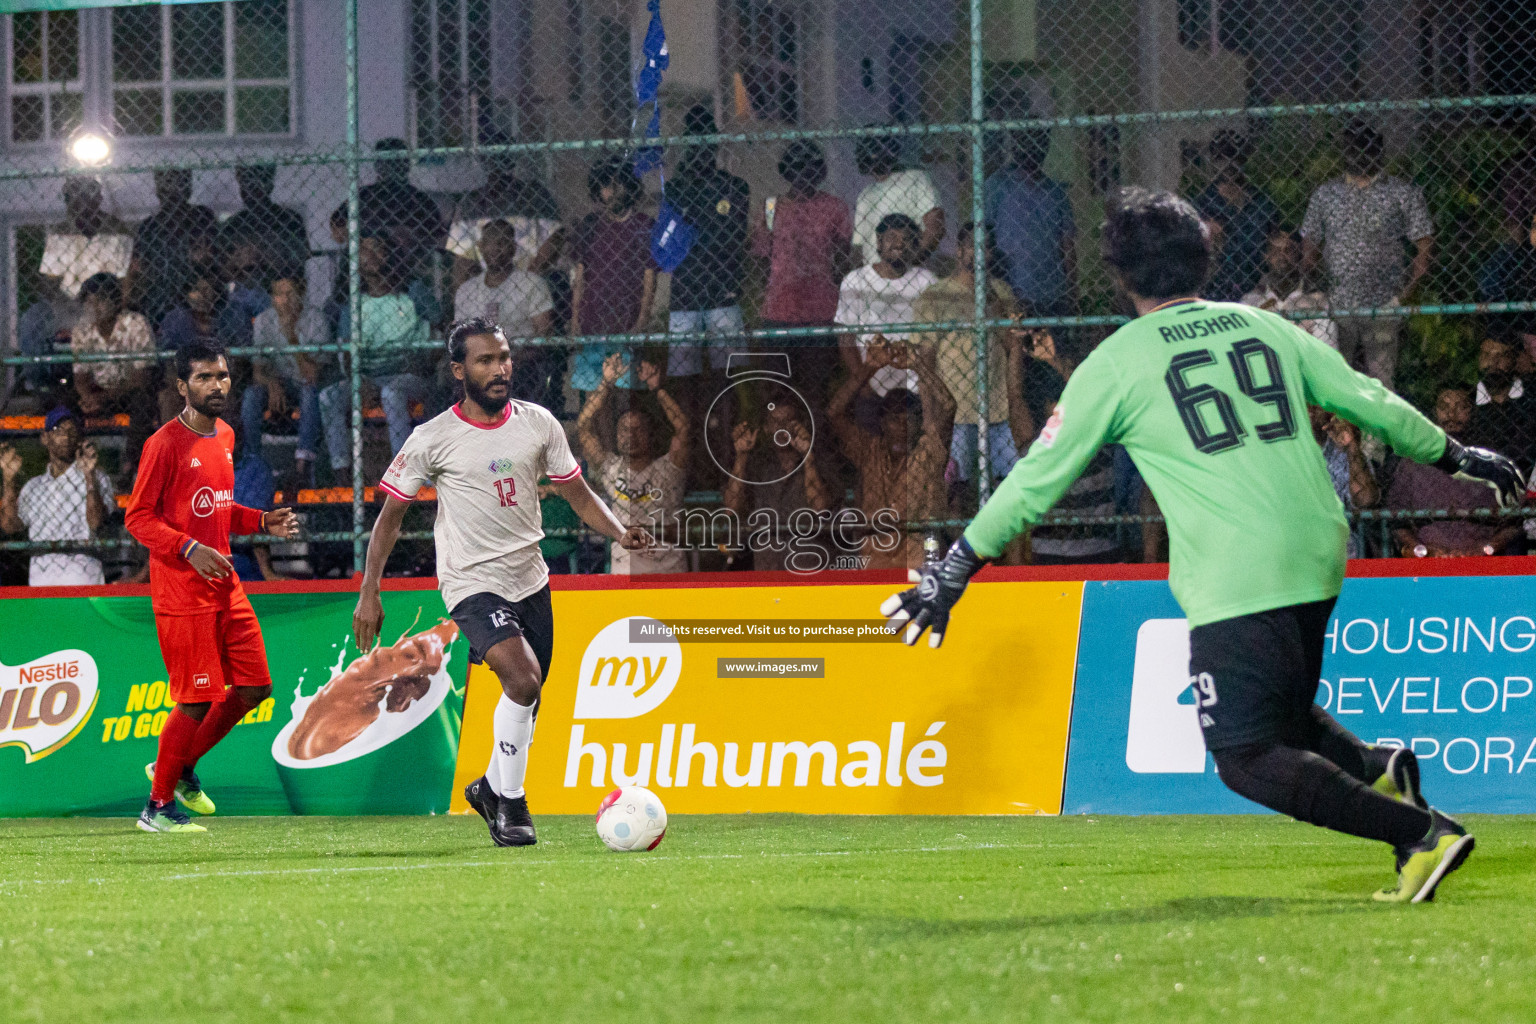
x=741 y=269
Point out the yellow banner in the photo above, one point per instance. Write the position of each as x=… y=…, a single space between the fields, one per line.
x=978 y=726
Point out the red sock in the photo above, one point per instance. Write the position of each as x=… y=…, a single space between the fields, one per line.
x=175 y=741
x=216 y=725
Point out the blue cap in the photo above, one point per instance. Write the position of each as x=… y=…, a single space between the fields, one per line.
x=58 y=414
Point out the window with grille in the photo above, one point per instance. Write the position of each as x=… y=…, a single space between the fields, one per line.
x=43 y=73
x=203 y=69
x=450 y=71
x=1451 y=58
x=768 y=57
x=1216 y=25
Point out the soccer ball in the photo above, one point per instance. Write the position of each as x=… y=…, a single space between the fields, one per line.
x=631 y=819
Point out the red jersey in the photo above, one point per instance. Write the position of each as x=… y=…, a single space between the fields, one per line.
x=185 y=493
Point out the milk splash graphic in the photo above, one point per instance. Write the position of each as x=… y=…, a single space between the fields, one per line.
x=420 y=694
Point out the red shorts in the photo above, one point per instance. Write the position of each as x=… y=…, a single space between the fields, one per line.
x=208 y=652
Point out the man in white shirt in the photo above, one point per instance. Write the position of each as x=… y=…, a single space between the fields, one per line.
x=894 y=190
x=68 y=501
x=90 y=241
x=485 y=457
x=524 y=203
x=884 y=293
x=517 y=301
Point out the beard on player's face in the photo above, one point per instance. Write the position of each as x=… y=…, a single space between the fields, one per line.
x=491 y=395
x=208 y=403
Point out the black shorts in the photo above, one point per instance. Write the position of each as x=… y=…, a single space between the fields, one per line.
x=488 y=619
x=1255 y=677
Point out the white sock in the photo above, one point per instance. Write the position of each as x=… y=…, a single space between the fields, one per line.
x=512 y=727
x=493 y=773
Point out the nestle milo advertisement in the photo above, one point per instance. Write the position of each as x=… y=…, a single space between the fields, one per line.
x=83 y=699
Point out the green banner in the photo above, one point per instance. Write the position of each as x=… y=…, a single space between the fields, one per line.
x=83 y=699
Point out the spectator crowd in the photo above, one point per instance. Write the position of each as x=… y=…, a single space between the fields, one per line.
x=866 y=436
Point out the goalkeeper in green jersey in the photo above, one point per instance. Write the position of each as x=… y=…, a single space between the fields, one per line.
x=1210 y=399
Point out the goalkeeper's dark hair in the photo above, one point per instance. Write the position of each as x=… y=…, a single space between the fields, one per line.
x=460 y=333
x=199 y=350
x=1156 y=242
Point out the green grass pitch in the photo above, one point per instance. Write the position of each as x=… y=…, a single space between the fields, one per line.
x=754 y=918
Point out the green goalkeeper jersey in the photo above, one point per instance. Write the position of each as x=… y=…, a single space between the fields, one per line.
x=1210 y=399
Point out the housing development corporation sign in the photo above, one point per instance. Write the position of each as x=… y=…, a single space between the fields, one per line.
x=1442 y=664
x=723 y=719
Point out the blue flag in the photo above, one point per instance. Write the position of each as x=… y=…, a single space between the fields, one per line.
x=648 y=158
x=648 y=82
x=671 y=238
x=648 y=88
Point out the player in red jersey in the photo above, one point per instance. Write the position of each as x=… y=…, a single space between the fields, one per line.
x=183 y=510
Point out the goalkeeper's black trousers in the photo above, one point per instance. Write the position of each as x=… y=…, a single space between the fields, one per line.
x=1255 y=681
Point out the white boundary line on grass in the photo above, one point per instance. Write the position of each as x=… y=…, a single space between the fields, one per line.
x=541 y=861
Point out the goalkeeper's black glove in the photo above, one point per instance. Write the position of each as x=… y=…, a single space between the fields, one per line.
x=1485 y=467
x=939 y=586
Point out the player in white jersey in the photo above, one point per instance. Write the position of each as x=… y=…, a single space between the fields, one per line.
x=485 y=457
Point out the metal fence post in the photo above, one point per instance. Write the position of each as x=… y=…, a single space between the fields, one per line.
x=979 y=253
x=354 y=289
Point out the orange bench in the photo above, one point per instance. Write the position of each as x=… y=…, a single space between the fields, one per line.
x=323 y=496
x=34 y=424
x=372 y=412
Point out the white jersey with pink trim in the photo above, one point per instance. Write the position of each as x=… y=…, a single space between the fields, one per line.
x=486 y=476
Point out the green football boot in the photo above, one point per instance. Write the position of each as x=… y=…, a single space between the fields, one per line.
x=1422 y=867
x=1400 y=778
x=189 y=790
x=166 y=817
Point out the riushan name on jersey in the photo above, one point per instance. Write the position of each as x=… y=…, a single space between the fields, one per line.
x=1210 y=400
x=486 y=476
x=1203 y=328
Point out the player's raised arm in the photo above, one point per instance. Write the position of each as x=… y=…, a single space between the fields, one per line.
x=587 y=432
x=1332 y=384
x=677 y=452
